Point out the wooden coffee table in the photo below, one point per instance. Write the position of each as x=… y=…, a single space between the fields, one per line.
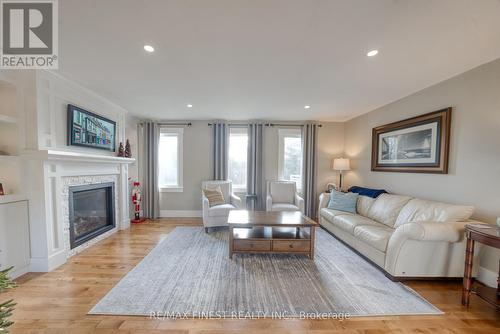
x=271 y=232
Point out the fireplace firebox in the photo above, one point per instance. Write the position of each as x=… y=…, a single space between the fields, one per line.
x=91 y=211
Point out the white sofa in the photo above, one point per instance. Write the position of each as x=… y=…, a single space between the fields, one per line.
x=406 y=237
x=217 y=215
x=283 y=196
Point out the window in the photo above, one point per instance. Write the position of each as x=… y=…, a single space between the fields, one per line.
x=170 y=159
x=237 y=164
x=290 y=156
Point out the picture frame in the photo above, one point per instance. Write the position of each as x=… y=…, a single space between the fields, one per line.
x=1 y=190
x=90 y=130
x=416 y=145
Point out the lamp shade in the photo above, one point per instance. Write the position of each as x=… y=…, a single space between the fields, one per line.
x=341 y=164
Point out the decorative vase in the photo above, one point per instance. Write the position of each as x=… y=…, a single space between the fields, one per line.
x=121 y=152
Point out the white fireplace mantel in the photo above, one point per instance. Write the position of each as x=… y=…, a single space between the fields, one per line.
x=49 y=173
x=53 y=155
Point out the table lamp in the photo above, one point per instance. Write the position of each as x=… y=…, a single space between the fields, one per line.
x=341 y=164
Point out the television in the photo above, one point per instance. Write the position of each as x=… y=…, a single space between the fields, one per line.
x=90 y=130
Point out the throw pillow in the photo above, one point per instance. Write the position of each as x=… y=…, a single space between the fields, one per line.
x=343 y=201
x=214 y=196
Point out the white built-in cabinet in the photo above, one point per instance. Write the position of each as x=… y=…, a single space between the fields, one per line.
x=14 y=236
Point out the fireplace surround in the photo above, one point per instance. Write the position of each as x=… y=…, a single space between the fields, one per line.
x=91 y=211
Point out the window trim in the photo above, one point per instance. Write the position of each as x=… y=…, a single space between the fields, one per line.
x=282 y=133
x=238 y=130
x=180 y=160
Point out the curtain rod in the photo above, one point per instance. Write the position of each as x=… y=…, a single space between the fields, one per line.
x=281 y=124
x=174 y=124
x=266 y=124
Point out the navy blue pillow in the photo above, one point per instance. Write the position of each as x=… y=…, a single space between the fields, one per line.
x=373 y=193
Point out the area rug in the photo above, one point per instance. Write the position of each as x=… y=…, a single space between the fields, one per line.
x=190 y=274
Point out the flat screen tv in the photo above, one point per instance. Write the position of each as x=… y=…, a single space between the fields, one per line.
x=90 y=130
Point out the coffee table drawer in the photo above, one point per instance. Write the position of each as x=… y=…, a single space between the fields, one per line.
x=252 y=245
x=291 y=245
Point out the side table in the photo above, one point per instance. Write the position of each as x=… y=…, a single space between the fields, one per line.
x=487 y=235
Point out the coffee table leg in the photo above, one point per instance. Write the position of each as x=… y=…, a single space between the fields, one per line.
x=231 y=242
x=467 y=285
x=313 y=237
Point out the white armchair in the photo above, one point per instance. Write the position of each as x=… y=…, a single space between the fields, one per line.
x=283 y=196
x=217 y=215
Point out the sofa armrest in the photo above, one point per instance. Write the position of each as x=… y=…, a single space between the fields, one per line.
x=299 y=202
x=236 y=201
x=324 y=198
x=431 y=231
x=269 y=203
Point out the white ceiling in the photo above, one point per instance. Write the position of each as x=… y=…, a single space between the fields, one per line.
x=253 y=59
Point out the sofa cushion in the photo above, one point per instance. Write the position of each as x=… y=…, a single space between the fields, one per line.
x=376 y=236
x=349 y=222
x=220 y=210
x=282 y=192
x=386 y=208
x=343 y=201
x=421 y=210
x=284 y=207
x=364 y=204
x=329 y=214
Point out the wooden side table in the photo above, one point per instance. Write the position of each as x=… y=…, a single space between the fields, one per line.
x=487 y=236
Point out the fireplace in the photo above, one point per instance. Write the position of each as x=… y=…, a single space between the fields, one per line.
x=91 y=211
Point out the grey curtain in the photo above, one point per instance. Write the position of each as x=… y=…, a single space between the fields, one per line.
x=255 y=163
x=151 y=196
x=309 y=135
x=220 y=140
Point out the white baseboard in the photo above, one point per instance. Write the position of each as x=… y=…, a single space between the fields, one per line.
x=487 y=277
x=180 y=213
x=48 y=264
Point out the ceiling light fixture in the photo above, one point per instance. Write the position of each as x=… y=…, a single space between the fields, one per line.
x=149 y=48
x=372 y=53
x=189 y=106
x=307 y=107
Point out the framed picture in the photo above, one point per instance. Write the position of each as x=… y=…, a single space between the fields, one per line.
x=417 y=145
x=1 y=190
x=90 y=130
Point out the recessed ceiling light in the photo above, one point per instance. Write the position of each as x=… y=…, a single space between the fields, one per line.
x=189 y=106
x=307 y=107
x=372 y=53
x=149 y=48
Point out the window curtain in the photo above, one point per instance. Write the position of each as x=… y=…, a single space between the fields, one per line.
x=151 y=196
x=220 y=133
x=255 y=166
x=309 y=135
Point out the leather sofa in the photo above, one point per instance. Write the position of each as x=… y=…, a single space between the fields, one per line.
x=406 y=237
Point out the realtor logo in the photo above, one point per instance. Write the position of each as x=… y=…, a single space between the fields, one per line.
x=28 y=34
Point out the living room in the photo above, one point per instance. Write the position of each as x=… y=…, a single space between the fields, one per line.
x=249 y=166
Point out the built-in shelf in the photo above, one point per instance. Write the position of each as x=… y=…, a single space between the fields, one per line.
x=8 y=119
x=4 y=199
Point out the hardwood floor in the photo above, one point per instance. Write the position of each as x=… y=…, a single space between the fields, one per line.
x=57 y=302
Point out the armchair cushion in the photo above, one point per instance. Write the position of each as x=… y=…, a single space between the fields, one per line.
x=214 y=196
x=284 y=207
x=282 y=192
x=220 y=210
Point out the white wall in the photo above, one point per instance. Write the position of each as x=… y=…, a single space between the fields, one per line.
x=54 y=93
x=474 y=175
